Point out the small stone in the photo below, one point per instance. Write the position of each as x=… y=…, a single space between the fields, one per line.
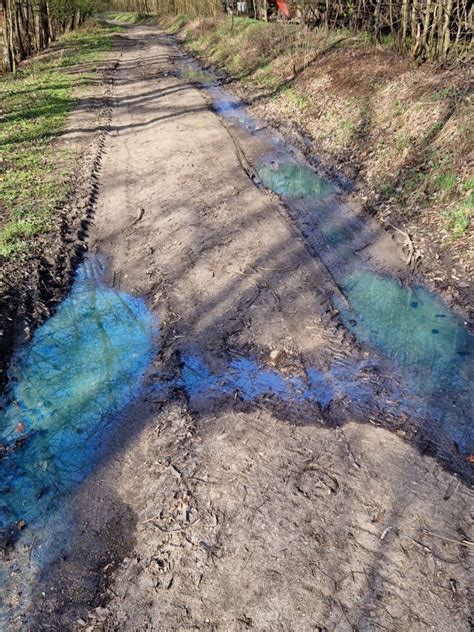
x=102 y=613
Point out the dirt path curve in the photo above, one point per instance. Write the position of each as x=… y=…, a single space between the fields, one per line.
x=233 y=515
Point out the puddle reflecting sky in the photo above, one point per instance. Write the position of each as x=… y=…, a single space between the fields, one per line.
x=412 y=325
x=429 y=344
x=294 y=180
x=83 y=366
x=225 y=103
x=351 y=383
x=193 y=72
x=250 y=380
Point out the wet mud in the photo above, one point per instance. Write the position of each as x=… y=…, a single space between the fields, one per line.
x=266 y=461
x=382 y=304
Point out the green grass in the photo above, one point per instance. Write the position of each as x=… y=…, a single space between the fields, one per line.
x=241 y=45
x=446 y=181
x=177 y=23
x=35 y=175
x=127 y=17
x=458 y=220
x=296 y=99
x=442 y=94
x=388 y=40
x=402 y=142
x=266 y=77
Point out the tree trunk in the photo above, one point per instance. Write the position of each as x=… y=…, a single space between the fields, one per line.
x=11 y=35
x=445 y=35
x=44 y=24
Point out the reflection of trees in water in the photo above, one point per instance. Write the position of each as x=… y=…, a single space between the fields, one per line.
x=428 y=343
x=82 y=367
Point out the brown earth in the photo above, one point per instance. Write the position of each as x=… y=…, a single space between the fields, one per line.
x=234 y=515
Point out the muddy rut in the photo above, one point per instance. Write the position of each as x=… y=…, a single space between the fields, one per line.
x=220 y=505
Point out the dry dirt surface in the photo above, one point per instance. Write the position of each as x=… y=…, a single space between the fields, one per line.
x=225 y=514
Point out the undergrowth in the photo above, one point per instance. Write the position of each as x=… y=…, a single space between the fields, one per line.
x=35 y=174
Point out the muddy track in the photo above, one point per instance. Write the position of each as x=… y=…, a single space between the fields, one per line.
x=218 y=505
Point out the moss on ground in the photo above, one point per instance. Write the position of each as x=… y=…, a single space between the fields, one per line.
x=35 y=174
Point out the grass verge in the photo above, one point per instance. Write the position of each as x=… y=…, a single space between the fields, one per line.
x=36 y=173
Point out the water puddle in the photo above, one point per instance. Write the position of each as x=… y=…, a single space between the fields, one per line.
x=192 y=72
x=249 y=379
x=224 y=102
x=231 y=108
x=243 y=375
x=412 y=325
x=428 y=343
x=66 y=389
x=295 y=181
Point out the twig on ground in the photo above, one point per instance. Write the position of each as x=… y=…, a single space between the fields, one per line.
x=443 y=537
x=413 y=254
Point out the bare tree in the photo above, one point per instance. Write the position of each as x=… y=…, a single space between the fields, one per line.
x=30 y=25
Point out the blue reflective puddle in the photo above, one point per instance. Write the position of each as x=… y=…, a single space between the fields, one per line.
x=67 y=388
x=356 y=384
x=250 y=380
x=412 y=325
x=244 y=375
x=294 y=180
x=428 y=344
x=224 y=102
x=426 y=341
x=191 y=71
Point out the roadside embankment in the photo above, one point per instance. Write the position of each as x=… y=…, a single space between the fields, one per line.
x=47 y=175
x=401 y=134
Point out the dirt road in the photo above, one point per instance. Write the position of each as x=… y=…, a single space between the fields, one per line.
x=229 y=512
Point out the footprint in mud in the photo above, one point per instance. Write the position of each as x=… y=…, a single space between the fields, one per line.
x=314 y=482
